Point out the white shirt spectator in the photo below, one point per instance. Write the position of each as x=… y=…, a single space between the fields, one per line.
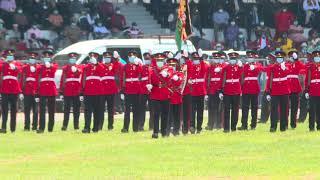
x=100 y=29
x=311 y=5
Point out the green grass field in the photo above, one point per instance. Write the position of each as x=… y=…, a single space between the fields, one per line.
x=258 y=154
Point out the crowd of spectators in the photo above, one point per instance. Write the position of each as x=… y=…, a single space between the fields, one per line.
x=23 y=22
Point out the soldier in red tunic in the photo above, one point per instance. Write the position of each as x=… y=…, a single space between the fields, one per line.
x=278 y=91
x=70 y=87
x=29 y=86
x=214 y=86
x=131 y=88
x=47 y=90
x=296 y=68
x=91 y=89
x=250 y=90
x=10 y=89
x=312 y=91
x=231 y=91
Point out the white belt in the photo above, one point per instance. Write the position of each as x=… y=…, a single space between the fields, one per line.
x=107 y=78
x=293 y=76
x=198 y=80
x=10 y=77
x=315 y=81
x=251 y=78
x=232 y=80
x=215 y=79
x=73 y=79
x=279 y=79
x=93 y=78
x=145 y=78
x=46 y=79
x=132 y=79
x=30 y=79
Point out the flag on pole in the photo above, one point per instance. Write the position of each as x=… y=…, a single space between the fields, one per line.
x=183 y=26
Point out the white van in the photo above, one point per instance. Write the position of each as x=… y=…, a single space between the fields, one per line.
x=121 y=45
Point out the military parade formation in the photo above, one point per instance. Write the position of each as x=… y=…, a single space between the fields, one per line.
x=172 y=88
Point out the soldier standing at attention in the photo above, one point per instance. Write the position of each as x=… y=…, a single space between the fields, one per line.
x=47 y=90
x=70 y=88
x=10 y=89
x=131 y=88
x=29 y=82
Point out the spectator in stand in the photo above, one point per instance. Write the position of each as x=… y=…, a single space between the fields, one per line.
x=196 y=21
x=105 y=9
x=34 y=31
x=21 y=19
x=134 y=31
x=314 y=41
x=264 y=44
x=73 y=33
x=15 y=33
x=172 y=19
x=310 y=6
x=75 y=6
x=84 y=22
x=34 y=42
x=218 y=47
x=56 y=20
x=100 y=31
x=283 y=20
x=263 y=29
x=3 y=30
x=220 y=20
x=231 y=34
x=285 y=43
x=296 y=33
x=40 y=12
x=241 y=42
x=252 y=18
x=8 y=5
x=63 y=8
x=118 y=21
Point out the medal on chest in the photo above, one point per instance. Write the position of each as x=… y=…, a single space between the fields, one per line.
x=110 y=67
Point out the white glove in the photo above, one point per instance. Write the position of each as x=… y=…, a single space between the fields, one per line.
x=73 y=69
x=32 y=69
x=81 y=98
x=37 y=100
x=206 y=97
x=149 y=87
x=175 y=78
x=307 y=95
x=137 y=61
x=240 y=64
x=122 y=96
x=185 y=53
x=21 y=97
x=61 y=97
x=252 y=67
x=200 y=52
x=178 y=56
x=221 y=96
x=295 y=55
x=268 y=98
x=12 y=66
x=283 y=66
x=216 y=70
x=47 y=64
x=164 y=73
x=190 y=81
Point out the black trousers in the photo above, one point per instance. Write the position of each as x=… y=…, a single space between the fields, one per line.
x=249 y=100
x=231 y=103
x=110 y=99
x=144 y=98
x=91 y=106
x=187 y=112
x=265 y=109
x=304 y=108
x=47 y=101
x=279 y=104
x=197 y=112
x=314 y=115
x=175 y=114
x=214 y=111
x=9 y=100
x=75 y=102
x=160 y=111
x=294 y=104
x=131 y=103
x=30 y=104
